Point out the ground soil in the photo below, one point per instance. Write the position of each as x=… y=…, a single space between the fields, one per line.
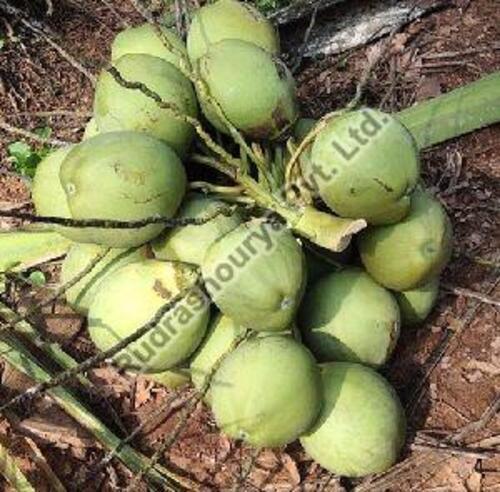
x=447 y=371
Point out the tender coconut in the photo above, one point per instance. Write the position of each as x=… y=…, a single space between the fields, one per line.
x=405 y=256
x=365 y=165
x=79 y=257
x=229 y=19
x=117 y=108
x=347 y=316
x=267 y=391
x=173 y=378
x=256 y=275
x=131 y=296
x=121 y=176
x=361 y=427
x=144 y=40
x=91 y=129
x=221 y=334
x=416 y=304
x=48 y=193
x=190 y=243
x=255 y=91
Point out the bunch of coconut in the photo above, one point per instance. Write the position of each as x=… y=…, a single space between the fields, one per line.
x=284 y=341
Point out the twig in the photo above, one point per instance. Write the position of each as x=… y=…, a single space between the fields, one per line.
x=460 y=291
x=476 y=426
x=307 y=35
x=32 y=136
x=247 y=470
x=49 y=114
x=97 y=359
x=118 y=224
x=455 y=450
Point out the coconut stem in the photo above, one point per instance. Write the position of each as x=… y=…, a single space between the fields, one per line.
x=453 y=114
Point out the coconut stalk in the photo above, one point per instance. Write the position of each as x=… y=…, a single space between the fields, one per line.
x=17 y=355
x=12 y=473
x=21 y=250
x=451 y=115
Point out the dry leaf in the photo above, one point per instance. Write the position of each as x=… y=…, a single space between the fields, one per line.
x=55 y=427
x=291 y=467
x=143 y=391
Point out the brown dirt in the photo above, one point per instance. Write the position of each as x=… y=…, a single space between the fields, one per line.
x=465 y=173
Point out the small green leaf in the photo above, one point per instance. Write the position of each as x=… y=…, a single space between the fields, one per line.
x=20 y=151
x=43 y=131
x=2 y=42
x=25 y=158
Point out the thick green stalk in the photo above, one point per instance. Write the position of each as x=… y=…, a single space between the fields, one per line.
x=16 y=354
x=12 y=473
x=53 y=350
x=20 y=250
x=460 y=111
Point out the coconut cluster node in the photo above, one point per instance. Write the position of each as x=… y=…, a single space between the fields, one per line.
x=282 y=337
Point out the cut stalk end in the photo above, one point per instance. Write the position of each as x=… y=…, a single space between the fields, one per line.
x=326 y=230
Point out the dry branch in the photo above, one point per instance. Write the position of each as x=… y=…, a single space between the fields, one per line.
x=365 y=23
x=299 y=9
x=480 y=424
x=460 y=291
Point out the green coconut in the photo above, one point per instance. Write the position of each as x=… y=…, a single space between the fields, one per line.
x=347 y=316
x=221 y=334
x=47 y=192
x=405 y=256
x=121 y=176
x=256 y=274
x=229 y=19
x=190 y=243
x=416 y=304
x=144 y=40
x=91 y=129
x=267 y=392
x=131 y=296
x=117 y=108
x=365 y=165
x=79 y=257
x=361 y=427
x=255 y=91
x=173 y=378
